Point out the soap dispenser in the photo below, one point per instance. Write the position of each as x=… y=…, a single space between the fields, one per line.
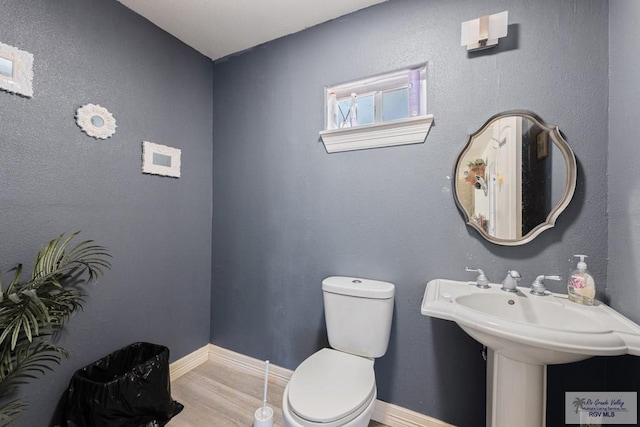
x=581 y=286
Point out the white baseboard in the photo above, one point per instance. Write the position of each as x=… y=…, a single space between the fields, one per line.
x=385 y=413
x=397 y=416
x=189 y=362
x=249 y=365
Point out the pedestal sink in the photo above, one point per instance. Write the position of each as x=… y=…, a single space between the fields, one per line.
x=524 y=333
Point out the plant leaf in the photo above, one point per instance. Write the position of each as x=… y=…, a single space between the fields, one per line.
x=28 y=360
x=10 y=411
x=31 y=312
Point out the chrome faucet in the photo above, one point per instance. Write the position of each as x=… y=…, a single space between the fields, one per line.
x=482 y=281
x=538 y=287
x=510 y=282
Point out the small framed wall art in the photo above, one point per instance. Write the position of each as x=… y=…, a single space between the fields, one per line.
x=96 y=121
x=16 y=70
x=159 y=159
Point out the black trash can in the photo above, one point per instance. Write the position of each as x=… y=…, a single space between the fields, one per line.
x=128 y=388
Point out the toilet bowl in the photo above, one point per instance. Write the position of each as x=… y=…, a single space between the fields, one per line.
x=336 y=387
x=330 y=389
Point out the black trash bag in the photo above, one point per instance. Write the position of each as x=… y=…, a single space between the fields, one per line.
x=128 y=388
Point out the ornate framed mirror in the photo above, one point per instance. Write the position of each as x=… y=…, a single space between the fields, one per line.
x=514 y=177
x=16 y=70
x=96 y=121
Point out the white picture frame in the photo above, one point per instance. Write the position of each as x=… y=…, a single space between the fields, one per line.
x=158 y=159
x=16 y=70
x=96 y=121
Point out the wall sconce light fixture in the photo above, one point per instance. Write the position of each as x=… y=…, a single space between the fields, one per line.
x=484 y=32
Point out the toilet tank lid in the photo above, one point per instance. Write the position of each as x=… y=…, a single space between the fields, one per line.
x=358 y=287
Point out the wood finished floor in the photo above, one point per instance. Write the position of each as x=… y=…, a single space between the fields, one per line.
x=217 y=396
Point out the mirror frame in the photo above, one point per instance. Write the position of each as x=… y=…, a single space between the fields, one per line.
x=83 y=120
x=21 y=80
x=570 y=163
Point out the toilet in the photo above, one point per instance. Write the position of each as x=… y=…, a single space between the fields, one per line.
x=336 y=387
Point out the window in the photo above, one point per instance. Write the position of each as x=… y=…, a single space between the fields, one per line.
x=356 y=110
x=397 y=95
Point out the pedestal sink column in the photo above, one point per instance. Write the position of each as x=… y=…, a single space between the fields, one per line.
x=516 y=392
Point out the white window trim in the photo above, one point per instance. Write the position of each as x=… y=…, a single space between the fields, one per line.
x=412 y=130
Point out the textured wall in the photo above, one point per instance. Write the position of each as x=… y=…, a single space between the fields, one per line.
x=55 y=179
x=623 y=286
x=624 y=155
x=287 y=214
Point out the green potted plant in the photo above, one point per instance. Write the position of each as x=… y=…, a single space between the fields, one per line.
x=32 y=311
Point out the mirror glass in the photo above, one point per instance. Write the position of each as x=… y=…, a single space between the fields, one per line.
x=97 y=121
x=514 y=177
x=161 y=160
x=6 y=67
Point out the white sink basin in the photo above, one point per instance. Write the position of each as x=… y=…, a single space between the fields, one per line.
x=520 y=308
x=524 y=333
x=533 y=329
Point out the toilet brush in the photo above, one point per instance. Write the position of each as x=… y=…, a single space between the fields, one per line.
x=263 y=417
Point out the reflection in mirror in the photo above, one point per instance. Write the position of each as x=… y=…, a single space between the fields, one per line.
x=97 y=121
x=6 y=67
x=161 y=160
x=514 y=177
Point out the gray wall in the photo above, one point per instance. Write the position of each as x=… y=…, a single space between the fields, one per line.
x=624 y=154
x=623 y=286
x=55 y=179
x=286 y=214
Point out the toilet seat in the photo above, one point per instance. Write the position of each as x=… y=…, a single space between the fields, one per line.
x=331 y=386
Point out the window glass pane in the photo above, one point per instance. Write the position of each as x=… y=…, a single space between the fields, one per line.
x=395 y=105
x=343 y=113
x=364 y=111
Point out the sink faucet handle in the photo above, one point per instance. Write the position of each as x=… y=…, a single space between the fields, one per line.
x=482 y=281
x=538 y=287
x=514 y=274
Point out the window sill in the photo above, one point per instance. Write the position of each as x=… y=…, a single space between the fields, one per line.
x=413 y=130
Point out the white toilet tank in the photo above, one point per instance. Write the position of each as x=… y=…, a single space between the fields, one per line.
x=358 y=314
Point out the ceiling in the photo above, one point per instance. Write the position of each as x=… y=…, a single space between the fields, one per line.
x=217 y=28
